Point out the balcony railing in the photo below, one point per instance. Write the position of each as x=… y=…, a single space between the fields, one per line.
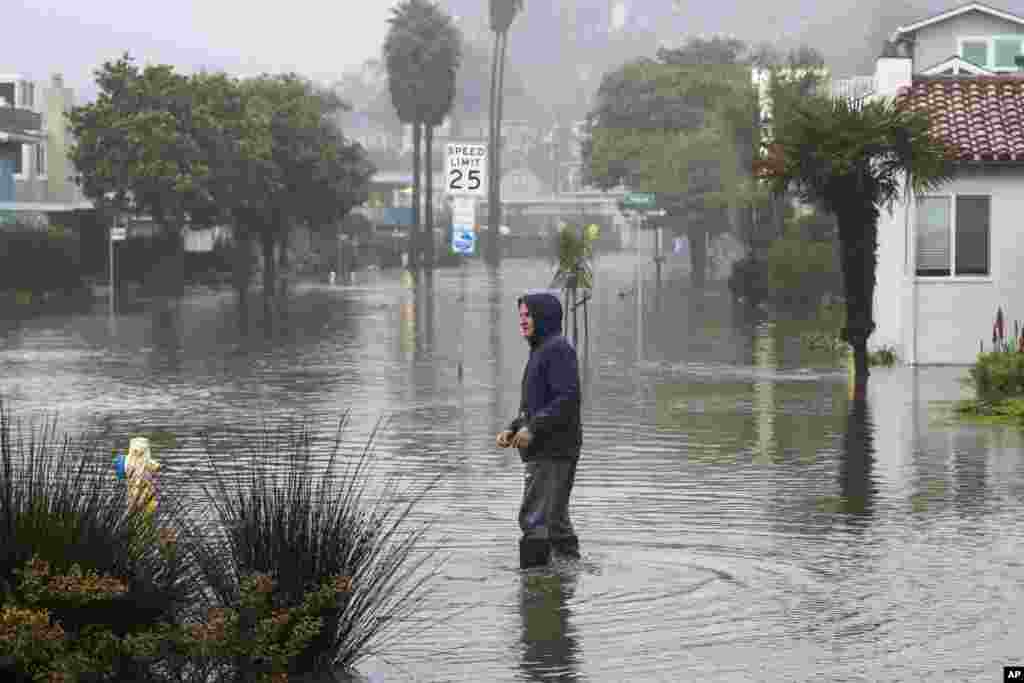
x=13 y=120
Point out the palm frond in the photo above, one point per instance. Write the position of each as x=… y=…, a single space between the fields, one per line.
x=829 y=147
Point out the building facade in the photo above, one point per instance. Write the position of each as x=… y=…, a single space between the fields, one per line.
x=949 y=258
x=35 y=173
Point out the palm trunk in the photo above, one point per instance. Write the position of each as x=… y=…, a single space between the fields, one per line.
x=242 y=268
x=858 y=245
x=282 y=264
x=168 y=276
x=857 y=459
x=428 y=218
x=414 y=230
x=496 y=178
x=575 y=318
x=269 y=269
x=697 y=234
x=492 y=143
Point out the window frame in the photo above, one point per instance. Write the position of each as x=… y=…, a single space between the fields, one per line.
x=990 y=52
x=40 y=161
x=953 y=275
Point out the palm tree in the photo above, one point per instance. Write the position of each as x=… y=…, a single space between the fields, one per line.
x=855 y=159
x=405 y=54
x=503 y=13
x=445 y=42
x=575 y=272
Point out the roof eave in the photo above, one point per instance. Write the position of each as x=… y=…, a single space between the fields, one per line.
x=935 y=69
x=964 y=9
x=988 y=162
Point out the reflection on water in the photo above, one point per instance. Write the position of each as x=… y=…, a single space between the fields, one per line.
x=741 y=517
x=550 y=651
x=855 y=485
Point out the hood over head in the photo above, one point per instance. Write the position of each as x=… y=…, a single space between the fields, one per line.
x=546 y=310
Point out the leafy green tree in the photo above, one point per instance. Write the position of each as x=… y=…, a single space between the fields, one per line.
x=854 y=159
x=135 y=151
x=684 y=131
x=301 y=168
x=263 y=154
x=503 y=13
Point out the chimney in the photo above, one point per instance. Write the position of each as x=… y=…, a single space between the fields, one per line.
x=893 y=71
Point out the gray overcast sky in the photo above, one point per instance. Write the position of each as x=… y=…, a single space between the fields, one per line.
x=322 y=38
x=318 y=38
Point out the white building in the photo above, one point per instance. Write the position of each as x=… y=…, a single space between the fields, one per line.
x=947 y=260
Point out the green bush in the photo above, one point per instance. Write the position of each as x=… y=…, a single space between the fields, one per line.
x=998 y=375
x=802 y=271
x=256 y=642
x=39 y=261
x=884 y=356
x=1007 y=411
x=749 y=280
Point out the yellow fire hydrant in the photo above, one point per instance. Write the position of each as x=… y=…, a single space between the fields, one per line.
x=138 y=468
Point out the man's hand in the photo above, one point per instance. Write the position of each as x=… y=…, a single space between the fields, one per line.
x=522 y=438
x=504 y=439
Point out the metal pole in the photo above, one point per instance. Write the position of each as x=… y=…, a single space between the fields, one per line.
x=462 y=327
x=110 y=258
x=657 y=255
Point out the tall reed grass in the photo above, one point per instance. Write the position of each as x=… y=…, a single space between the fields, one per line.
x=303 y=518
x=59 y=502
x=305 y=528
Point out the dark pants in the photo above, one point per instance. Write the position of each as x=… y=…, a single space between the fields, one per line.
x=544 y=513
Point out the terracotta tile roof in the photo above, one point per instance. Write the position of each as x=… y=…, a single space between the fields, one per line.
x=980 y=117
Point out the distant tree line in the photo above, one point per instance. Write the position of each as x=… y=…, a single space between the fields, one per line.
x=262 y=155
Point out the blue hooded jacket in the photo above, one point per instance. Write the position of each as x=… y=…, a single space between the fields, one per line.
x=550 y=404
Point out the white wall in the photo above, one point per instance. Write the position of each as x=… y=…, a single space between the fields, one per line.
x=890 y=283
x=952 y=314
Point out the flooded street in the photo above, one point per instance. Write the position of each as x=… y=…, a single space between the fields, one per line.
x=740 y=518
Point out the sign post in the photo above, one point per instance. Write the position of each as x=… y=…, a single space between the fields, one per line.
x=465 y=181
x=117 y=234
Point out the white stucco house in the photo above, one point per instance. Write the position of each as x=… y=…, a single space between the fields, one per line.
x=947 y=260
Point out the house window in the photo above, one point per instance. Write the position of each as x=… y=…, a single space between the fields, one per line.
x=975 y=51
x=953 y=235
x=1006 y=49
x=992 y=52
x=972 y=235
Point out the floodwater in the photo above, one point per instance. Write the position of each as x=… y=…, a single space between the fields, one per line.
x=740 y=518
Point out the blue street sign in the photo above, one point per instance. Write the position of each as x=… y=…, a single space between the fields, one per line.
x=463 y=240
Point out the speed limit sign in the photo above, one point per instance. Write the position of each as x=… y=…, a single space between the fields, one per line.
x=465 y=169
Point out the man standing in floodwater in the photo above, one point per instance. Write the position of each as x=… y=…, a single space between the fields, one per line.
x=547 y=432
